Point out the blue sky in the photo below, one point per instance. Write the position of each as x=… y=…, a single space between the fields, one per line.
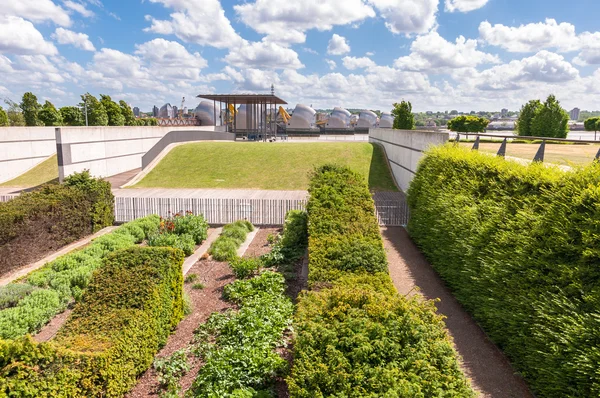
x=439 y=54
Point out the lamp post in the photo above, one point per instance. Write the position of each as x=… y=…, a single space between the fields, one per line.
x=85 y=106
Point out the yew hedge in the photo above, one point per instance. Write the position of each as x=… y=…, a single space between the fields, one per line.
x=355 y=336
x=520 y=248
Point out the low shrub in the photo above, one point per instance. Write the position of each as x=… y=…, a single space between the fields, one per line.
x=225 y=247
x=170 y=370
x=64 y=280
x=238 y=347
x=184 y=242
x=291 y=245
x=519 y=246
x=11 y=294
x=245 y=267
x=198 y=286
x=189 y=278
x=112 y=335
x=185 y=224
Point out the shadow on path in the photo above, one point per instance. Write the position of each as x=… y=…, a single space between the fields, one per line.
x=489 y=370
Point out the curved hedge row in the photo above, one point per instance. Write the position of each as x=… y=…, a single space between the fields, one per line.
x=520 y=247
x=43 y=221
x=355 y=335
x=111 y=337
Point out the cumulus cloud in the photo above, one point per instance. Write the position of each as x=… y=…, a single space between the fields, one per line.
x=263 y=54
x=407 y=16
x=433 y=52
x=18 y=36
x=171 y=59
x=201 y=22
x=78 y=7
x=337 y=45
x=285 y=21
x=464 y=5
x=37 y=11
x=79 y=40
x=590 y=49
x=531 y=37
x=331 y=63
x=353 y=63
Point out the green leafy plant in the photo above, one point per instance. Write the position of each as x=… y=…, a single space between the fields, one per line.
x=189 y=278
x=170 y=370
x=198 y=286
x=245 y=267
x=184 y=242
x=224 y=248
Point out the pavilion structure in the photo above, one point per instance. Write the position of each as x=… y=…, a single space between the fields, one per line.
x=249 y=116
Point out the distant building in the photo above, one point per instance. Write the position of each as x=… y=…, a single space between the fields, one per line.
x=574 y=114
x=504 y=112
x=155 y=111
x=166 y=112
x=136 y=111
x=175 y=111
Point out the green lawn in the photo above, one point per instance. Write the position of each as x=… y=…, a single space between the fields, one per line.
x=44 y=172
x=282 y=166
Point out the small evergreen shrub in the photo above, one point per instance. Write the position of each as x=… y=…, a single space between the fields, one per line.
x=245 y=267
x=233 y=235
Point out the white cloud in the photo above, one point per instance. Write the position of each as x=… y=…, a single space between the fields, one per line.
x=464 y=5
x=331 y=63
x=407 y=16
x=170 y=59
x=79 y=40
x=285 y=21
x=590 y=49
x=36 y=11
x=337 y=45
x=116 y=64
x=531 y=37
x=263 y=55
x=196 y=21
x=309 y=50
x=18 y=36
x=353 y=63
x=432 y=51
x=78 y=7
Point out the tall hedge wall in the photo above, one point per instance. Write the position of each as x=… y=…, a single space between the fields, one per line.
x=356 y=336
x=520 y=248
x=37 y=223
x=126 y=315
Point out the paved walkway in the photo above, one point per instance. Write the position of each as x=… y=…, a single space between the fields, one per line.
x=489 y=370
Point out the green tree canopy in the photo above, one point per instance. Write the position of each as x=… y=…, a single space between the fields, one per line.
x=468 y=124
x=113 y=111
x=403 y=116
x=14 y=113
x=49 y=115
x=591 y=124
x=30 y=107
x=551 y=120
x=151 y=121
x=127 y=113
x=3 y=118
x=72 y=116
x=525 y=120
x=96 y=112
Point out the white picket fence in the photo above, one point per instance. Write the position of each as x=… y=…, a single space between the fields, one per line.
x=6 y=198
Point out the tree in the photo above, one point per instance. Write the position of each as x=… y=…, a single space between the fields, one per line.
x=592 y=124
x=96 y=113
x=127 y=113
x=113 y=111
x=3 y=118
x=151 y=121
x=528 y=112
x=551 y=120
x=403 y=116
x=30 y=107
x=49 y=115
x=14 y=113
x=468 y=124
x=72 y=116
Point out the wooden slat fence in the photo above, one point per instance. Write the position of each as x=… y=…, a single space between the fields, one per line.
x=6 y=198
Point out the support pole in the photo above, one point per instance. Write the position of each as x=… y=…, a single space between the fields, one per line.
x=539 y=156
x=597 y=158
x=502 y=150
x=476 y=144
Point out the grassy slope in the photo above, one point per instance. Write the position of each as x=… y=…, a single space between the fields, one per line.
x=555 y=153
x=284 y=166
x=40 y=174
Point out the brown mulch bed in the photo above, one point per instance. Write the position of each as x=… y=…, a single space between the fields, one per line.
x=49 y=331
x=259 y=245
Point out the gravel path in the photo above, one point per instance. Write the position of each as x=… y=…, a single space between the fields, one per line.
x=489 y=370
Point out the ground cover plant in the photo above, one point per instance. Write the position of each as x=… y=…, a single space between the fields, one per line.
x=225 y=247
x=45 y=220
x=518 y=245
x=355 y=336
x=112 y=335
x=264 y=165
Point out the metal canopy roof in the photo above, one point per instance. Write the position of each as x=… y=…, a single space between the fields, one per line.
x=244 y=98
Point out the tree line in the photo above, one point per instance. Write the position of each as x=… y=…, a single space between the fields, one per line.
x=100 y=112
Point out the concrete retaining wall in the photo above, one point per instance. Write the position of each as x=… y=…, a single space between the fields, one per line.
x=404 y=149
x=21 y=148
x=107 y=151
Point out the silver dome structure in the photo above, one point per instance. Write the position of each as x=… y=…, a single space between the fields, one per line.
x=245 y=120
x=206 y=112
x=339 y=118
x=166 y=112
x=386 y=121
x=304 y=117
x=367 y=119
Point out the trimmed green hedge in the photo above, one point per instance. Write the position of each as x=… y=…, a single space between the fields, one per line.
x=225 y=247
x=43 y=221
x=35 y=299
x=355 y=336
x=520 y=248
x=111 y=337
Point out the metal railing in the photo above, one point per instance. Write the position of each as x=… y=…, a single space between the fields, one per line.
x=539 y=156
